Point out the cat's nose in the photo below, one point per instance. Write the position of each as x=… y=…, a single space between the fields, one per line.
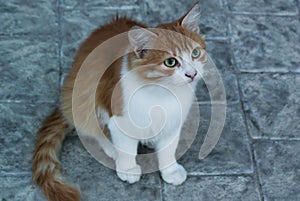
x=191 y=75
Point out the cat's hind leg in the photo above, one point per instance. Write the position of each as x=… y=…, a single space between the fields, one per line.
x=102 y=138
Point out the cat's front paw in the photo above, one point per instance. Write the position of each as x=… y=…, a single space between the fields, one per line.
x=131 y=176
x=175 y=174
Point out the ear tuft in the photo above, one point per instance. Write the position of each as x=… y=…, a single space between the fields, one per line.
x=190 y=19
x=140 y=38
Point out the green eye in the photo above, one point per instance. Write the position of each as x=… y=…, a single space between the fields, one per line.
x=196 y=53
x=171 y=62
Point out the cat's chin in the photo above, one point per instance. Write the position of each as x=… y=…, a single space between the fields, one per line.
x=188 y=82
x=183 y=84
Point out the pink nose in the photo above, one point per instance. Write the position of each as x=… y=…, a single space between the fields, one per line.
x=191 y=75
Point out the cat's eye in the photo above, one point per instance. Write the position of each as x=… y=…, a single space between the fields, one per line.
x=196 y=53
x=170 y=62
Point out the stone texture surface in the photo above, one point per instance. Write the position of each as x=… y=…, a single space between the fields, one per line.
x=279 y=169
x=280 y=7
x=222 y=58
x=266 y=43
x=212 y=21
x=28 y=17
x=77 y=25
x=29 y=69
x=95 y=4
x=271 y=105
x=82 y=168
x=18 y=126
x=247 y=40
x=18 y=187
x=225 y=188
x=224 y=159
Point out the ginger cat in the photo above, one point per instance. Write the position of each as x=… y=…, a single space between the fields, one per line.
x=162 y=78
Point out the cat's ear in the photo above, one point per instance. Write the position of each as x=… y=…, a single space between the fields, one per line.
x=140 y=38
x=190 y=19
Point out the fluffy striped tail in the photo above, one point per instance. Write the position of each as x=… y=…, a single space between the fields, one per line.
x=46 y=172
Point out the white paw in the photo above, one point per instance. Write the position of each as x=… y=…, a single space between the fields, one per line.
x=131 y=176
x=175 y=174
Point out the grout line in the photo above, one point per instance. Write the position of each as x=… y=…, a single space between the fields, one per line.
x=163 y=190
x=269 y=72
x=258 y=179
x=82 y=8
x=195 y=174
x=216 y=38
x=275 y=14
x=20 y=173
x=25 y=34
x=298 y=8
x=59 y=11
x=250 y=143
x=32 y=102
x=255 y=139
x=116 y=8
x=278 y=14
x=242 y=107
x=144 y=7
x=216 y=102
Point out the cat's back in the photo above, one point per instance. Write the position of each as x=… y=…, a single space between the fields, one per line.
x=116 y=26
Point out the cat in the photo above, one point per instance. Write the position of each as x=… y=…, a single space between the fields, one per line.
x=165 y=79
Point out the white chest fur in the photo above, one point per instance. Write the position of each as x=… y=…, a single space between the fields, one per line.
x=152 y=110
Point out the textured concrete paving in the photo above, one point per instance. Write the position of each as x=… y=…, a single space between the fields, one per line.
x=255 y=45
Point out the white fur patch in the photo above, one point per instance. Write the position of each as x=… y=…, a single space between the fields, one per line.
x=102 y=116
x=151 y=109
x=152 y=113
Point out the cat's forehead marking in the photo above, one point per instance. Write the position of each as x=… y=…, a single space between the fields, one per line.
x=182 y=45
x=176 y=43
x=182 y=52
x=184 y=57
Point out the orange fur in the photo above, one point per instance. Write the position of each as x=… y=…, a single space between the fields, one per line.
x=45 y=162
x=46 y=172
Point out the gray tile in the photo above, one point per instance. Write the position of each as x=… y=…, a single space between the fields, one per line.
x=219 y=51
x=28 y=17
x=232 y=153
x=283 y=7
x=29 y=69
x=214 y=188
x=278 y=165
x=266 y=43
x=96 y=181
x=18 y=126
x=271 y=105
x=230 y=84
x=18 y=188
x=212 y=21
x=79 y=24
x=156 y=15
x=95 y=4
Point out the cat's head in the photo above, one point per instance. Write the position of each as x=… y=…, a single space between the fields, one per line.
x=171 y=53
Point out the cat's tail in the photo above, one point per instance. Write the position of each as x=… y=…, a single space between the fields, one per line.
x=46 y=171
